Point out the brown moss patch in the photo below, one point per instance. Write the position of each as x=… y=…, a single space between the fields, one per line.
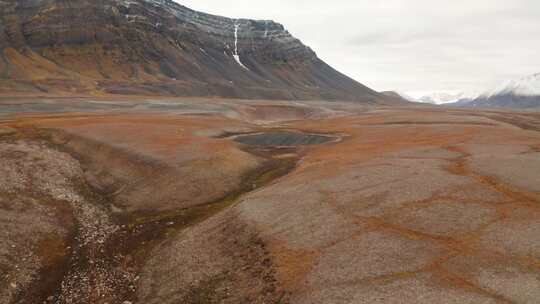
x=291 y=265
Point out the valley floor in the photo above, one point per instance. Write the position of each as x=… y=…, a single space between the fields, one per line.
x=224 y=201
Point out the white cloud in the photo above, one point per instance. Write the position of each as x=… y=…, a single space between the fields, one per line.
x=408 y=45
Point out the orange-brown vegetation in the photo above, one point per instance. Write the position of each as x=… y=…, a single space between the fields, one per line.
x=411 y=205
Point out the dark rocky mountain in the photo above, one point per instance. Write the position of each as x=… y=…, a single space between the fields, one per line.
x=141 y=47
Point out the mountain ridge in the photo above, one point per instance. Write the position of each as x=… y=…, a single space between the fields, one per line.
x=159 y=47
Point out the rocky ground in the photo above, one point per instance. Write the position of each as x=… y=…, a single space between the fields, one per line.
x=188 y=201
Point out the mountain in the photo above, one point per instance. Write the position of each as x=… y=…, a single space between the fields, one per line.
x=141 y=47
x=517 y=93
x=525 y=86
x=443 y=97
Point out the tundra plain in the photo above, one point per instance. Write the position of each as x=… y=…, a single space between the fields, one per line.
x=226 y=201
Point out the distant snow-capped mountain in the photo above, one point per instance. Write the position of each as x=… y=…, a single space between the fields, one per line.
x=445 y=97
x=525 y=86
x=517 y=93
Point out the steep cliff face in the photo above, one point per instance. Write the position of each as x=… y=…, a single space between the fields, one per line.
x=158 y=47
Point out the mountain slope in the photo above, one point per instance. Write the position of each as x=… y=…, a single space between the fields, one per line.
x=398 y=97
x=158 y=47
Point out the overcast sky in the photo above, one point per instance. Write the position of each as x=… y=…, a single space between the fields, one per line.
x=412 y=46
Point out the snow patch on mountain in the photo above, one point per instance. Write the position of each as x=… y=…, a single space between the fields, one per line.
x=235 y=55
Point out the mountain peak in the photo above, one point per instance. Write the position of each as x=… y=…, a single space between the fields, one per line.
x=524 y=86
